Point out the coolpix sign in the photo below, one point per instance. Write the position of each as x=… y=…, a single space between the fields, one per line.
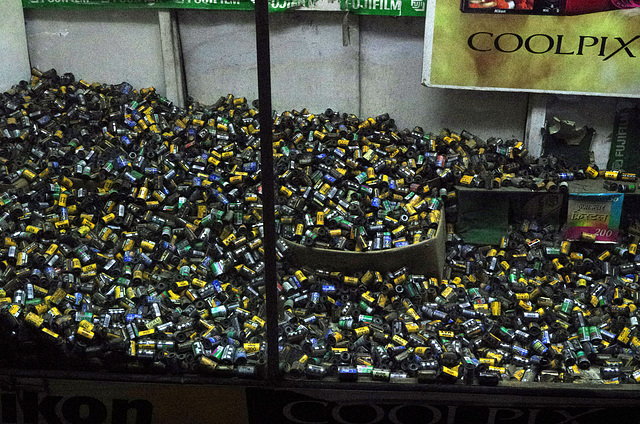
x=595 y=216
x=563 y=46
x=36 y=401
x=402 y=407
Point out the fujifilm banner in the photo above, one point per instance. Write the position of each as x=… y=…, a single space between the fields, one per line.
x=625 y=142
x=358 y=7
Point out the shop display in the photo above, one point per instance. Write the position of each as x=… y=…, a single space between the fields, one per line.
x=536 y=308
x=131 y=227
x=131 y=237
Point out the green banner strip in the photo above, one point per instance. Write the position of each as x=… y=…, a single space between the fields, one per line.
x=139 y=4
x=625 y=142
x=385 y=7
x=359 y=7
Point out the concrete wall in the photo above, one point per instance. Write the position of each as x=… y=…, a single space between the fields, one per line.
x=371 y=66
x=378 y=71
x=310 y=67
x=109 y=46
x=391 y=70
x=219 y=51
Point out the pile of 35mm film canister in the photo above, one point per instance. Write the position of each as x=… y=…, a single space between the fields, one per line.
x=132 y=241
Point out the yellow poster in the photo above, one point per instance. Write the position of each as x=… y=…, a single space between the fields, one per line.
x=566 y=46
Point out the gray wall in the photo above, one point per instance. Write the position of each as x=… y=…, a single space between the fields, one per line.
x=107 y=46
x=379 y=70
x=391 y=70
x=376 y=69
x=219 y=51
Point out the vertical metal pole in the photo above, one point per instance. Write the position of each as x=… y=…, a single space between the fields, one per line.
x=268 y=182
x=171 y=61
x=536 y=118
